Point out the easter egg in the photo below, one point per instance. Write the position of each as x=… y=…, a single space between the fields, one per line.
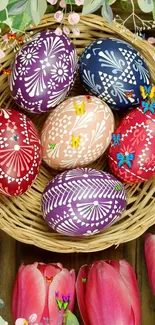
x=114 y=71
x=77 y=132
x=132 y=150
x=43 y=72
x=20 y=152
x=83 y=201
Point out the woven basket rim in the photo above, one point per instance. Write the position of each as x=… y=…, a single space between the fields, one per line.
x=21 y=219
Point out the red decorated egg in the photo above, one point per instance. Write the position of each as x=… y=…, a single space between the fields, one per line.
x=20 y=152
x=132 y=150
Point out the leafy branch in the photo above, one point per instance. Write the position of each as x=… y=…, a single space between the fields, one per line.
x=18 y=14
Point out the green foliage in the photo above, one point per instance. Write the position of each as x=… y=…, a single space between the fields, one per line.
x=37 y=8
x=154 y=9
x=18 y=14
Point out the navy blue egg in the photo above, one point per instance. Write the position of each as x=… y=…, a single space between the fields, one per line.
x=114 y=71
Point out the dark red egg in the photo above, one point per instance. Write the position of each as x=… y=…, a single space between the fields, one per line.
x=132 y=150
x=20 y=152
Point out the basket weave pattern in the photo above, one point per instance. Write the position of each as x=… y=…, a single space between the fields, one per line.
x=21 y=218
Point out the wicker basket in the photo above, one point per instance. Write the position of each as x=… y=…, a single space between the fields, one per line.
x=21 y=218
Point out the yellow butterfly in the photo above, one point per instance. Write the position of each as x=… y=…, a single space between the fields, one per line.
x=147 y=91
x=75 y=141
x=80 y=109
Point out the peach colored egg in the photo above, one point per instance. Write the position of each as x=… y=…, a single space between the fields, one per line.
x=77 y=132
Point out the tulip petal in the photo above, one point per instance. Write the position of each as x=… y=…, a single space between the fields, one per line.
x=129 y=277
x=29 y=293
x=63 y=284
x=48 y=270
x=81 y=292
x=107 y=301
x=149 y=248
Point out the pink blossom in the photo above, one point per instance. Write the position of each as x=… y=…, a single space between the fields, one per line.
x=73 y=18
x=58 y=16
x=76 y=31
x=151 y=40
x=58 y=31
x=52 y=2
x=79 y=2
x=66 y=30
x=2 y=54
x=62 y=4
x=5 y=38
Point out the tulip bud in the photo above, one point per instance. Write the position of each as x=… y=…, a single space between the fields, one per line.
x=149 y=249
x=42 y=293
x=107 y=293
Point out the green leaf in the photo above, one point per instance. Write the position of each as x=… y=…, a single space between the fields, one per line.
x=37 y=9
x=91 y=6
x=3 y=4
x=146 y=5
x=107 y=13
x=20 y=22
x=70 y=318
x=111 y=2
x=125 y=4
x=2 y=321
x=153 y=9
x=8 y=22
x=2 y=15
x=18 y=8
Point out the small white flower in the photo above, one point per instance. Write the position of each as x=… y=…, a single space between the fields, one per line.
x=23 y=70
x=51 y=84
x=29 y=56
x=59 y=71
x=64 y=58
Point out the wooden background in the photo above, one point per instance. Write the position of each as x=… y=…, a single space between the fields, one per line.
x=13 y=253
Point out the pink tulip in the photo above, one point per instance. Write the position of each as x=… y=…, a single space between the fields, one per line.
x=149 y=248
x=73 y=18
x=107 y=294
x=43 y=291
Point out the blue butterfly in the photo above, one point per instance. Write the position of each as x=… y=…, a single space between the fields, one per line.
x=142 y=35
x=147 y=89
x=125 y=159
x=148 y=107
x=116 y=139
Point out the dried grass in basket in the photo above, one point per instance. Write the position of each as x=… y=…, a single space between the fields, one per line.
x=21 y=218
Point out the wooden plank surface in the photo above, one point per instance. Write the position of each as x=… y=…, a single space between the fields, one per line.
x=13 y=253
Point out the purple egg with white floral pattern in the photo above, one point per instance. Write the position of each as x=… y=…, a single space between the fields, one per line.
x=43 y=72
x=83 y=201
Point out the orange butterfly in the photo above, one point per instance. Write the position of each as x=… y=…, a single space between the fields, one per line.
x=20 y=41
x=7 y=72
x=130 y=94
x=12 y=36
